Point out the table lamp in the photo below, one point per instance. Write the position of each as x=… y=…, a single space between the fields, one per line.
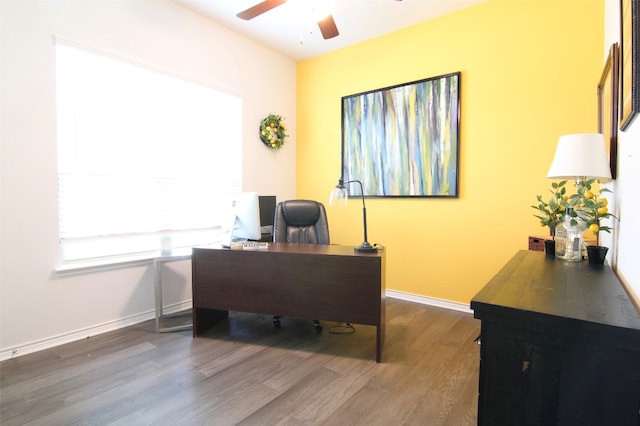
x=339 y=196
x=580 y=156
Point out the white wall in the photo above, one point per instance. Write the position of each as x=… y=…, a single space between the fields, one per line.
x=627 y=191
x=37 y=308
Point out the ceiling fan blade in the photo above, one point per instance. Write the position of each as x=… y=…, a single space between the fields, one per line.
x=259 y=9
x=328 y=27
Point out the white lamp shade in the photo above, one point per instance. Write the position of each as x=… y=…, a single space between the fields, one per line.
x=581 y=155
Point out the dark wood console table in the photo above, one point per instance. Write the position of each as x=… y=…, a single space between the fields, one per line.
x=560 y=345
x=323 y=282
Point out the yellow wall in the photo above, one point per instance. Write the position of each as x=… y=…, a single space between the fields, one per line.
x=529 y=74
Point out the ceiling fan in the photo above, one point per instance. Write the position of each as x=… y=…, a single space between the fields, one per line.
x=327 y=25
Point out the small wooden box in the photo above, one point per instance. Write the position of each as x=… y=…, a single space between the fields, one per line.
x=536 y=243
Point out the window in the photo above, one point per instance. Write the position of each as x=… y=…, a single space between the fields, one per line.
x=141 y=156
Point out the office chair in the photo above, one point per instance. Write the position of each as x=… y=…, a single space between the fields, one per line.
x=303 y=222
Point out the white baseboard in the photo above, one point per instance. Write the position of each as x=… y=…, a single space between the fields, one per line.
x=61 y=339
x=94 y=330
x=431 y=301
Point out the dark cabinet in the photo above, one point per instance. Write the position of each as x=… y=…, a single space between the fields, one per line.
x=560 y=345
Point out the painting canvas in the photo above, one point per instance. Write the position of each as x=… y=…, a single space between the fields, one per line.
x=403 y=141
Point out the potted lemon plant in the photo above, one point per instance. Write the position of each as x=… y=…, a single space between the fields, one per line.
x=591 y=208
x=551 y=212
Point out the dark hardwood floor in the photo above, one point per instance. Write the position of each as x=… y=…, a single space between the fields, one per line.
x=244 y=371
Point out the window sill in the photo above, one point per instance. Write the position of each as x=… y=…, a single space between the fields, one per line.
x=118 y=262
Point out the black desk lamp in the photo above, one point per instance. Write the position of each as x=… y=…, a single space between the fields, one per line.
x=339 y=196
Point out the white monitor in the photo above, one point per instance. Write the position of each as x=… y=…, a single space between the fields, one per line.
x=241 y=217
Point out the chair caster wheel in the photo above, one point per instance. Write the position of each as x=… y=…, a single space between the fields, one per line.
x=276 y=323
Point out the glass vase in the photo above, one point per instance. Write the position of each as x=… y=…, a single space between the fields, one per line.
x=569 y=240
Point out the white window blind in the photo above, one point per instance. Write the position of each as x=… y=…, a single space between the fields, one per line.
x=141 y=156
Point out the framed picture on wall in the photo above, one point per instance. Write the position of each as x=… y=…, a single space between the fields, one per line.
x=630 y=61
x=608 y=105
x=403 y=141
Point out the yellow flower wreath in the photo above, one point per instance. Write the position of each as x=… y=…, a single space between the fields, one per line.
x=273 y=131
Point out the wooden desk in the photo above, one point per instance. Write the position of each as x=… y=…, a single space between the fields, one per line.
x=560 y=345
x=323 y=282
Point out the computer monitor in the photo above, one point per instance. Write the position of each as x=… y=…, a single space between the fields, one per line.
x=241 y=216
x=267 y=212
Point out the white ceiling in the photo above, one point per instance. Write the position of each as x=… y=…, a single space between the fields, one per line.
x=290 y=28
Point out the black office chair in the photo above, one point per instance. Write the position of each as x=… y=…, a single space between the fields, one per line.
x=303 y=222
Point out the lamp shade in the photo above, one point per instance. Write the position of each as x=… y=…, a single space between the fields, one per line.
x=339 y=195
x=580 y=156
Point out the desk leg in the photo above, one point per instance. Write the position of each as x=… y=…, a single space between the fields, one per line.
x=157 y=283
x=203 y=319
x=380 y=328
x=379 y=342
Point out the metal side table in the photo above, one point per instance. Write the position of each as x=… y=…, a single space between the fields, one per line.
x=171 y=256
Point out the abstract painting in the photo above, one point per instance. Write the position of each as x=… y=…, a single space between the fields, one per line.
x=403 y=141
